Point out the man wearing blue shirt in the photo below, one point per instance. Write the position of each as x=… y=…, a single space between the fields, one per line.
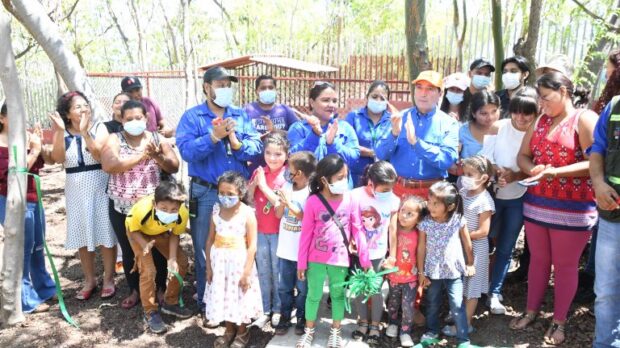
x=423 y=151
x=605 y=175
x=213 y=137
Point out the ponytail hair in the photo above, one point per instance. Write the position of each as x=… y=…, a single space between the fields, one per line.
x=326 y=168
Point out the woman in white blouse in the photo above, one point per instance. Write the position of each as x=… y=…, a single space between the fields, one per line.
x=502 y=149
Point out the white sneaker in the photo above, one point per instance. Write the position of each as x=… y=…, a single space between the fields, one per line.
x=406 y=341
x=334 y=340
x=261 y=321
x=496 y=306
x=275 y=319
x=429 y=336
x=391 y=331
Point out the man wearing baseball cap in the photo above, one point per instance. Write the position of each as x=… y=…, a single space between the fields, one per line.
x=155 y=121
x=213 y=137
x=423 y=142
x=480 y=72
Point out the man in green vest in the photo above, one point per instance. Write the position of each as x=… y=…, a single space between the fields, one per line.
x=605 y=173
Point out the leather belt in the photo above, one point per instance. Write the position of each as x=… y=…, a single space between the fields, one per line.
x=201 y=182
x=416 y=184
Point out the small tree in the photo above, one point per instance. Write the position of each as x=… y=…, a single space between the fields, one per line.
x=526 y=47
x=498 y=42
x=415 y=31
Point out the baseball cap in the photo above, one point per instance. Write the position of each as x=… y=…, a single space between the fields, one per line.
x=481 y=63
x=458 y=80
x=430 y=76
x=129 y=83
x=216 y=73
x=558 y=62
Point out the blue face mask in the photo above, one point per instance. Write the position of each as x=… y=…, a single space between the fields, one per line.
x=267 y=96
x=454 y=98
x=382 y=196
x=223 y=96
x=228 y=201
x=480 y=81
x=288 y=176
x=376 y=106
x=166 y=218
x=135 y=127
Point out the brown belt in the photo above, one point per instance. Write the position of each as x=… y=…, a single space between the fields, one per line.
x=416 y=184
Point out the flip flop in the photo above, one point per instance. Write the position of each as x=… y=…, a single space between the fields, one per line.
x=84 y=295
x=108 y=292
x=128 y=303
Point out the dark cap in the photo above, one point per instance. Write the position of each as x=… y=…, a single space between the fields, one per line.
x=216 y=73
x=129 y=83
x=481 y=63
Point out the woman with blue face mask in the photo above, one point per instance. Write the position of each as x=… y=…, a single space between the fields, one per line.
x=370 y=124
x=454 y=88
x=515 y=72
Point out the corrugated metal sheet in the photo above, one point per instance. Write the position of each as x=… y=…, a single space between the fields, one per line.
x=279 y=61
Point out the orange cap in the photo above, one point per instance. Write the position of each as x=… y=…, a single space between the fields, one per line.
x=430 y=76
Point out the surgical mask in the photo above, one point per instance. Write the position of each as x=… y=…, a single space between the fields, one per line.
x=267 y=97
x=376 y=106
x=288 y=176
x=511 y=80
x=228 y=201
x=339 y=187
x=383 y=196
x=454 y=98
x=480 y=81
x=223 y=96
x=166 y=218
x=135 y=127
x=468 y=183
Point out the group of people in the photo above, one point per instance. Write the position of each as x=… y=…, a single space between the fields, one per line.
x=280 y=200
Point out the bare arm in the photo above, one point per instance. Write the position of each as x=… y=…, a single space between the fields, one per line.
x=95 y=145
x=392 y=234
x=251 y=236
x=208 y=246
x=524 y=158
x=484 y=225
x=166 y=158
x=421 y=257
x=173 y=246
x=110 y=160
x=467 y=247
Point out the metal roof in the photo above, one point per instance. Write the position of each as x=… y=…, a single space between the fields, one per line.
x=284 y=62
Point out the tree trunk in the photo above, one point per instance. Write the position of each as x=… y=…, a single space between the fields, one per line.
x=415 y=31
x=12 y=236
x=526 y=47
x=34 y=18
x=460 y=39
x=124 y=38
x=190 y=93
x=136 y=14
x=498 y=42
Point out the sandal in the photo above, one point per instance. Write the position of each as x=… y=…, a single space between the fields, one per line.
x=529 y=318
x=129 y=302
x=551 y=333
x=108 y=292
x=360 y=333
x=84 y=295
x=374 y=335
x=224 y=341
x=241 y=340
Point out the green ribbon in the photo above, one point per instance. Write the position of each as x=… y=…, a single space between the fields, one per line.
x=427 y=343
x=362 y=283
x=180 y=280
x=37 y=179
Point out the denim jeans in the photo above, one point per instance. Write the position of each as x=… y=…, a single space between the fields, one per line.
x=287 y=282
x=454 y=288
x=607 y=285
x=205 y=198
x=506 y=224
x=267 y=267
x=37 y=285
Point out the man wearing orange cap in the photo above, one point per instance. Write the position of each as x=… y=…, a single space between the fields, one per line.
x=424 y=140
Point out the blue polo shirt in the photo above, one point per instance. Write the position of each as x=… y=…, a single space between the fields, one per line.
x=435 y=151
x=302 y=138
x=368 y=134
x=600 y=132
x=207 y=160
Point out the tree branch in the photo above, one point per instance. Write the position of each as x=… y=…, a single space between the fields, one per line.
x=597 y=17
x=31 y=44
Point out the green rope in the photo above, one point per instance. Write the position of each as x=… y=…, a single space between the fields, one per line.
x=37 y=179
x=427 y=343
x=362 y=283
x=180 y=280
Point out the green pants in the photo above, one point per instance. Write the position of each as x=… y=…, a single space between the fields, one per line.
x=316 y=276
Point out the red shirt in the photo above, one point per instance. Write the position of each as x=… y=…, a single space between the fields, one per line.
x=268 y=222
x=406 y=254
x=31 y=193
x=153 y=114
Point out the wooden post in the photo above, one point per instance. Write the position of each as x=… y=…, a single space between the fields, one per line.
x=498 y=42
x=13 y=237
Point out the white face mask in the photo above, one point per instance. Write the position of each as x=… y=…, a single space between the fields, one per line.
x=339 y=187
x=267 y=96
x=166 y=218
x=223 y=96
x=480 y=81
x=376 y=106
x=469 y=183
x=454 y=98
x=135 y=127
x=511 y=80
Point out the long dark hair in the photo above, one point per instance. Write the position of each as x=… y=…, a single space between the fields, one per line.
x=521 y=63
x=378 y=83
x=525 y=101
x=3 y=112
x=379 y=173
x=480 y=99
x=555 y=80
x=329 y=166
x=448 y=194
x=612 y=87
x=63 y=105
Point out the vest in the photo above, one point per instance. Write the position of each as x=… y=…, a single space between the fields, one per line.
x=612 y=157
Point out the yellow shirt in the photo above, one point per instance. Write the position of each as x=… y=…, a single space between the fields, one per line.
x=142 y=218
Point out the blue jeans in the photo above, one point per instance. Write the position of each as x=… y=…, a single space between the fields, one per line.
x=607 y=285
x=506 y=224
x=454 y=288
x=267 y=267
x=37 y=285
x=287 y=282
x=205 y=198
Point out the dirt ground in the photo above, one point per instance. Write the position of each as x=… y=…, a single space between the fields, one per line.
x=103 y=323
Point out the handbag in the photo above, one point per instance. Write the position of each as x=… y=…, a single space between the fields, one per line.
x=354 y=261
